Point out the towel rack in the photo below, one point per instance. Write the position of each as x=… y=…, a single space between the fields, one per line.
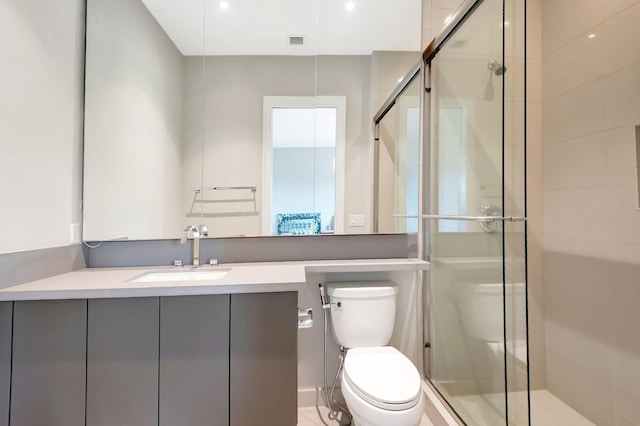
x=199 y=189
x=246 y=206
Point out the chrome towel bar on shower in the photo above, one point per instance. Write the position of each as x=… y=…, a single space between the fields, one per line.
x=467 y=218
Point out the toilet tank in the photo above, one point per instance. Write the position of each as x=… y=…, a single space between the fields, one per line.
x=362 y=313
x=481 y=309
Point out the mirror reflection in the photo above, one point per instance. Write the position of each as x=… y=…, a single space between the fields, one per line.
x=397 y=163
x=241 y=116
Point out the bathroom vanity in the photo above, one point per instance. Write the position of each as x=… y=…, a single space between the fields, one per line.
x=149 y=353
x=106 y=346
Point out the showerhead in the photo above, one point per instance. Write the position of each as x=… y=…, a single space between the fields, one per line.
x=496 y=67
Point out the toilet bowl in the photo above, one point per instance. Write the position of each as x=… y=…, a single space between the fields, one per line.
x=380 y=385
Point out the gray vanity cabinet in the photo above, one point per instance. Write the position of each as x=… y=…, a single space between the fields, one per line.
x=5 y=361
x=263 y=366
x=151 y=361
x=122 y=362
x=194 y=360
x=158 y=361
x=48 y=368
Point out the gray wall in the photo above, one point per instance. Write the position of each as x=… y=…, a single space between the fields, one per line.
x=233 y=139
x=40 y=138
x=40 y=122
x=24 y=266
x=258 y=249
x=133 y=132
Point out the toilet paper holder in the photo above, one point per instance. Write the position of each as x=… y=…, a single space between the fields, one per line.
x=305 y=318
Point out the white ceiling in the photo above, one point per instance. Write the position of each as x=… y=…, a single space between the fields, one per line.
x=262 y=27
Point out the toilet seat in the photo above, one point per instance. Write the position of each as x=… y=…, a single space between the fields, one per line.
x=383 y=377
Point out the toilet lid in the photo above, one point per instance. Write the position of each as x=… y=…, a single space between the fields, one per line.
x=383 y=377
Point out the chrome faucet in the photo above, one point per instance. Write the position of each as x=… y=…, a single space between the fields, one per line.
x=194 y=232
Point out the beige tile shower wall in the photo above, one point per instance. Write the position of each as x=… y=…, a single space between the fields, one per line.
x=515 y=186
x=434 y=16
x=387 y=70
x=591 y=239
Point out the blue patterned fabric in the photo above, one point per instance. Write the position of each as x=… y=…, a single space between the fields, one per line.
x=298 y=223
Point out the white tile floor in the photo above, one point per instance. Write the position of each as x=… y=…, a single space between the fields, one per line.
x=546 y=409
x=312 y=416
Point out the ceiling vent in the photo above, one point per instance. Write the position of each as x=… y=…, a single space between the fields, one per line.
x=296 y=40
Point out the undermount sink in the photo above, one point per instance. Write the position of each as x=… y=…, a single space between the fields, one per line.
x=190 y=275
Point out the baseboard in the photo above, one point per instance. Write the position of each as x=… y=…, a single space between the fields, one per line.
x=314 y=397
x=309 y=397
x=435 y=409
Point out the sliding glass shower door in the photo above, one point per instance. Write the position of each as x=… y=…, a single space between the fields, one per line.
x=475 y=229
x=397 y=163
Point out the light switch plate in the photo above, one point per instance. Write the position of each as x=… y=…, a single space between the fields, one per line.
x=356 y=220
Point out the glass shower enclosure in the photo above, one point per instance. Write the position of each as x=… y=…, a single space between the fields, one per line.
x=471 y=215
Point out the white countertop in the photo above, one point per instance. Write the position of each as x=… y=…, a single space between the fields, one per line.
x=92 y=283
x=351 y=265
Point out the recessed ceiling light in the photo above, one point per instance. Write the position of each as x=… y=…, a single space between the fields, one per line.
x=592 y=35
x=350 y=5
x=224 y=5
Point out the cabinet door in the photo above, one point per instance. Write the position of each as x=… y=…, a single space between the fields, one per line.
x=264 y=379
x=122 y=362
x=194 y=360
x=49 y=352
x=5 y=360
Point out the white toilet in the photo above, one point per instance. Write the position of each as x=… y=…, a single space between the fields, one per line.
x=380 y=385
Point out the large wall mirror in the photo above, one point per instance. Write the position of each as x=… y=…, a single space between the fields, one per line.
x=252 y=117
